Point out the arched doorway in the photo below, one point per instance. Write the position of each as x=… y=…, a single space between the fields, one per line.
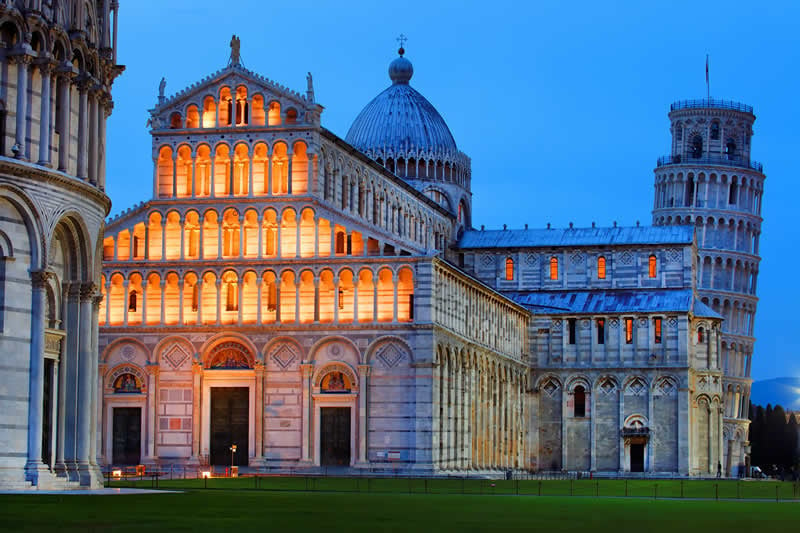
x=228 y=405
x=335 y=393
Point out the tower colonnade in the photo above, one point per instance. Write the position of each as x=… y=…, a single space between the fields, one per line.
x=710 y=182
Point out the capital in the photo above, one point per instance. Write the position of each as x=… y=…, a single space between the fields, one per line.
x=88 y=290
x=364 y=370
x=307 y=369
x=39 y=278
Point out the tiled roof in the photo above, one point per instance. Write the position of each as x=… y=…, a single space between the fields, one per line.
x=538 y=238
x=611 y=302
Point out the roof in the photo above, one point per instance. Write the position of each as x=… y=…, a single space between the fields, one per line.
x=539 y=238
x=400 y=119
x=611 y=302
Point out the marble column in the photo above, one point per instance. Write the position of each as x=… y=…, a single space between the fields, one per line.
x=44 y=119
x=197 y=375
x=65 y=75
x=151 y=440
x=23 y=76
x=306 y=369
x=83 y=134
x=363 y=403
x=34 y=466
x=86 y=373
x=259 y=414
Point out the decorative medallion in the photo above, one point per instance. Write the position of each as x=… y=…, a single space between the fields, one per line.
x=666 y=387
x=642 y=322
x=674 y=255
x=557 y=324
x=608 y=386
x=335 y=349
x=672 y=322
x=127 y=352
x=530 y=259
x=626 y=258
x=637 y=387
x=614 y=323
x=487 y=260
x=577 y=258
x=585 y=323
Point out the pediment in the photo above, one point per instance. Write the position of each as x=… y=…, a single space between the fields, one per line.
x=232 y=77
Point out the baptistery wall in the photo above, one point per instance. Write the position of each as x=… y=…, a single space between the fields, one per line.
x=58 y=65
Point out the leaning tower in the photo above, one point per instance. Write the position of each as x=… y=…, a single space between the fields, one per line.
x=710 y=182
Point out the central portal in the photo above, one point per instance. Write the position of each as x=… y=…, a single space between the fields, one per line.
x=230 y=424
x=637 y=457
x=335 y=436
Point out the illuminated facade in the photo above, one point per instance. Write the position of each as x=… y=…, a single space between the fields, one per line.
x=326 y=302
x=58 y=65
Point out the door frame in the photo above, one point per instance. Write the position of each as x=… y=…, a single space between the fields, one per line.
x=335 y=400
x=141 y=408
x=227 y=378
x=112 y=401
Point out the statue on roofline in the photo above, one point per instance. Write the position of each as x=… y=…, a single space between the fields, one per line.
x=235 y=54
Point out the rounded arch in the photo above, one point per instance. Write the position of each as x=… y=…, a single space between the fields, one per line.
x=166 y=346
x=227 y=336
x=314 y=351
x=375 y=347
x=335 y=366
x=109 y=349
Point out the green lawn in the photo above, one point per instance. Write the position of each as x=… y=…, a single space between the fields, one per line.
x=303 y=504
x=251 y=510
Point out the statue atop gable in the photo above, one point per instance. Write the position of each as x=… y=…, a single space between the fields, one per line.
x=236 y=44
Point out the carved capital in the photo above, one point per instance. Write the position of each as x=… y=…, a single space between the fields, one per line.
x=39 y=278
x=88 y=290
x=364 y=370
x=153 y=369
x=307 y=369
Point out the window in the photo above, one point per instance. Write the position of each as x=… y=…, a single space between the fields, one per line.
x=132 y=301
x=231 y=301
x=715 y=131
x=730 y=149
x=272 y=297
x=657 y=330
x=679 y=133
x=411 y=307
x=733 y=192
x=601 y=330
x=580 y=402
x=688 y=201
x=571 y=325
x=195 y=297
x=601 y=267
x=628 y=331
x=652 y=269
x=701 y=334
x=341 y=298
x=554 y=267
x=696 y=148
x=509 y=269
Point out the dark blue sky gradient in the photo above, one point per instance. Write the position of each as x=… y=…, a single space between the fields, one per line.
x=562 y=106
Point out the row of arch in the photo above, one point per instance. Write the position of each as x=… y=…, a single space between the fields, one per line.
x=737 y=401
x=422 y=168
x=600 y=271
x=736 y=357
x=727 y=274
x=689 y=137
x=724 y=234
x=723 y=192
x=285 y=297
x=379 y=202
x=233 y=107
x=482 y=420
x=240 y=170
x=233 y=234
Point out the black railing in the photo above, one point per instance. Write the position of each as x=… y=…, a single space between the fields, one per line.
x=723 y=161
x=711 y=102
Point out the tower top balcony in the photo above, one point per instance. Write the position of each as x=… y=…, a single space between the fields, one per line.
x=711 y=103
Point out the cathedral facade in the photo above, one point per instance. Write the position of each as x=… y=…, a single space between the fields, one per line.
x=318 y=301
x=58 y=64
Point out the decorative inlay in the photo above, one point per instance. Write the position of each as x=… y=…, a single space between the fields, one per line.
x=585 y=323
x=673 y=322
x=637 y=387
x=666 y=387
x=674 y=255
x=576 y=258
x=614 y=323
x=283 y=356
x=557 y=324
x=530 y=259
x=607 y=386
x=390 y=355
x=642 y=322
x=550 y=388
x=487 y=260
x=176 y=356
x=626 y=258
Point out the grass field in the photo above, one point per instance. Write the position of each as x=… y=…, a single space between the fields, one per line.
x=251 y=510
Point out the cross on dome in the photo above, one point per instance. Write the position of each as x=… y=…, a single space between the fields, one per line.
x=402 y=40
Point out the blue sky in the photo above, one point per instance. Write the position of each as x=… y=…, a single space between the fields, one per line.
x=561 y=105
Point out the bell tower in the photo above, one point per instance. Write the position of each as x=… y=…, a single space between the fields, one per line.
x=710 y=182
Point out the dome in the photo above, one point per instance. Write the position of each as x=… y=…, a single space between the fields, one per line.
x=400 y=120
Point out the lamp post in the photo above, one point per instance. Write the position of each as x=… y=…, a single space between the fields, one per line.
x=233 y=451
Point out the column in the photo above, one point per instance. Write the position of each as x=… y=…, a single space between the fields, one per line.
x=199 y=285
x=260 y=227
x=259 y=414
x=92 y=127
x=83 y=149
x=44 y=119
x=395 y=282
x=108 y=302
x=250 y=175
x=97 y=382
x=289 y=173
x=297 y=300
x=182 y=229
x=63 y=139
x=363 y=391
x=202 y=223
x=180 y=302
x=269 y=174
x=219 y=301
x=175 y=174
x=219 y=237
x=239 y=302
x=151 y=441
x=102 y=115
x=86 y=371
x=305 y=370
x=336 y=300
x=22 y=62
x=126 y=299
x=162 y=287
x=36 y=377
x=163 y=229
x=316 y=300
x=193 y=164
x=197 y=375
x=258 y=300
x=241 y=236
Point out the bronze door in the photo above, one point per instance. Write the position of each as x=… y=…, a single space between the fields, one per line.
x=127 y=449
x=335 y=436
x=230 y=424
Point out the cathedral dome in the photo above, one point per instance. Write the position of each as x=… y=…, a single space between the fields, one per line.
x=401 y=120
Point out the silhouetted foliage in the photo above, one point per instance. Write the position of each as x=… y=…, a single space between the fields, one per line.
x=773 y=439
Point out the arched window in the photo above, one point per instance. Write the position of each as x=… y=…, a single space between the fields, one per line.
x=509 y=269
x=697 y=147
x=601 y=267
x=715 y=131
x=554 y=267
x=730 y=149
x=733 y=192
x=679 y=133
x=580 y=402
x=701 y=335
x=132 y=301
x=688 y=201
x=652 y=265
